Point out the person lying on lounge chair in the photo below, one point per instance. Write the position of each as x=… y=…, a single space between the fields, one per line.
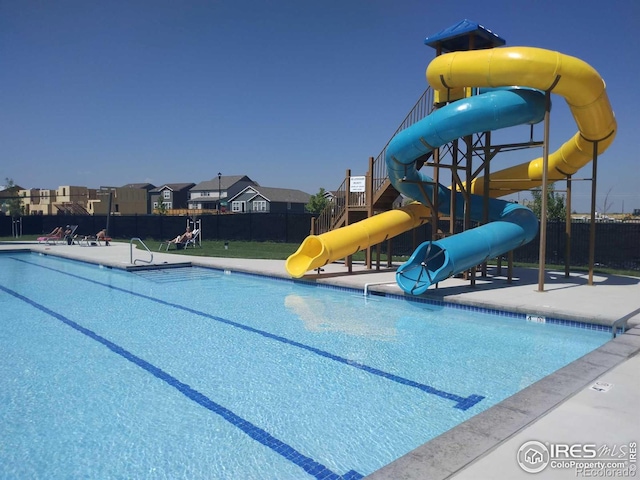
x=182 y=238
x=56 y=232
x=100 y=236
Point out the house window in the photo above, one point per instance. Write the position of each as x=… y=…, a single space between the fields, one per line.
x=238 y=207
x=155 y=204
x=168 y=204
x=166 y=194
x=259 y=206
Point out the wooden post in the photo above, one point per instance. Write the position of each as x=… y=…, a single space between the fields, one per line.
x=510 y=267
x=369 y=201
x=567 y=232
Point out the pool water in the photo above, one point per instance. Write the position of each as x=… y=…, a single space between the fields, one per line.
x=202 y=374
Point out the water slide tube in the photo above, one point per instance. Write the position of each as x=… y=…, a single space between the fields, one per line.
x=576 y=81
x=511 y=225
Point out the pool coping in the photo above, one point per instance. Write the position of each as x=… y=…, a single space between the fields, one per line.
x=456 y=449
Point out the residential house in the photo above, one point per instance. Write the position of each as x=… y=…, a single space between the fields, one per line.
x=73 y=200
x=257 y=199
x=40 y=201
x=28 y=199
x=212 y=194
x=171 y=195
x=130 y=199
x=67 y=199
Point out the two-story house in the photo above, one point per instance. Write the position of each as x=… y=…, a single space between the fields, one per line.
x=171 y=195
x=257 y=199
x=73 y=200
x=213 y=194
x=130 y=199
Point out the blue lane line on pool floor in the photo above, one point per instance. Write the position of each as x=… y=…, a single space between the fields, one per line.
x=309 y=465
x=461 y=403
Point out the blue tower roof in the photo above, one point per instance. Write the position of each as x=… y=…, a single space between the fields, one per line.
x=458 y=37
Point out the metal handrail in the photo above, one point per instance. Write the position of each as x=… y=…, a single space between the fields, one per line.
x=131 y=260
x=622 y=323
x=327 y=219
x=371 y=284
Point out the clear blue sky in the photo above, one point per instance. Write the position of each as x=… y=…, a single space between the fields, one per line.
x=289 y=92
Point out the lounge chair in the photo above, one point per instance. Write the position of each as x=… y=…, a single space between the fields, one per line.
x=193 y=241
x=66 y=236
x=69 y=234
x=48 y=239
x=93 y=240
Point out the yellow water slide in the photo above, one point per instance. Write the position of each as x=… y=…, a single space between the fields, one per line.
x=576 y=81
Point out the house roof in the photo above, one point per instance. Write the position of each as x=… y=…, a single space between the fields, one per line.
x=175 y=187
x=10 y=192
x=278 y=194
x=226 y=182
x=145 y=186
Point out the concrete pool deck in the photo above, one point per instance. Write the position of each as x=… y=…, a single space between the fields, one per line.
x=562 y=408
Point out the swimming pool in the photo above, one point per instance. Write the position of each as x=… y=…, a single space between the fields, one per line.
x=200 y=373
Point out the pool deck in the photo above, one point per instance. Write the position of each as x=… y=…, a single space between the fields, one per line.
x=562 y=408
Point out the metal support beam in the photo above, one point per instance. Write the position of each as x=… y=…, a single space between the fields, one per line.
x=545 y=189
x=592 y=229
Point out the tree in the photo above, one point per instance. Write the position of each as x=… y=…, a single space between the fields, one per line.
x=317 y=202
x=162 y=208
x=607 y=204
x=556 y=208
x=13 y=203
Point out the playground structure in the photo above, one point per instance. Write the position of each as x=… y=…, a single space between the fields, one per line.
x=473 y=94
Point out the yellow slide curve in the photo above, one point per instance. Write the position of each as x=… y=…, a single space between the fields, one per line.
x=576 y=81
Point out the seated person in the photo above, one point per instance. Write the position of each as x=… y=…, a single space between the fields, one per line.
x=182 y=238
x=101 y=235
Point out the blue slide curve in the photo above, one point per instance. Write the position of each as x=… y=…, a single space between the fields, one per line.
x=510 y=225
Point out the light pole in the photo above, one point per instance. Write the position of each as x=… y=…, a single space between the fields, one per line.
x=219 y=190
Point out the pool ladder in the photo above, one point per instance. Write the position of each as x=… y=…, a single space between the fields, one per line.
x=131 y=260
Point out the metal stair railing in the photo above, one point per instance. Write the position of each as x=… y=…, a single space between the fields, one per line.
x=331 y=216
x=334 y=210
x=421 y=109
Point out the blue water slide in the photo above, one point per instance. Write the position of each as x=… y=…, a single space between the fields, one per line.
x=510 y=225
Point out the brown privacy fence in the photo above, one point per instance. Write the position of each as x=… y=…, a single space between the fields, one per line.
x=617 y=244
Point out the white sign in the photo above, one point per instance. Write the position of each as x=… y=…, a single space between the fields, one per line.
x=357 y=184
x=601 y=386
